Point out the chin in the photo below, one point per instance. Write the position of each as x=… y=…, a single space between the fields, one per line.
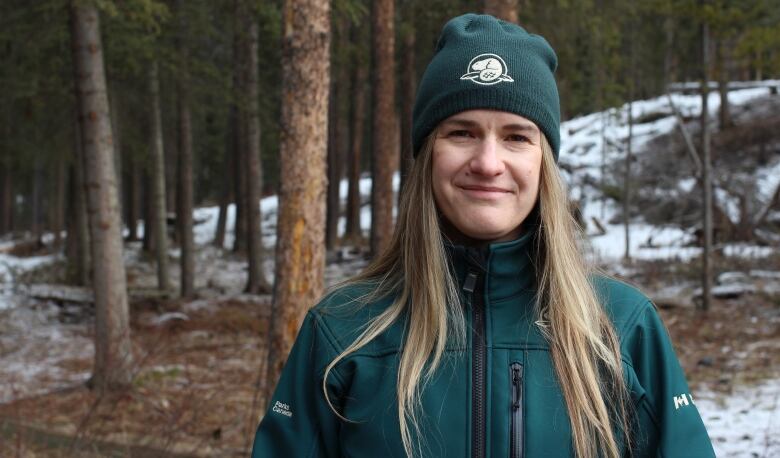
x=486 y=234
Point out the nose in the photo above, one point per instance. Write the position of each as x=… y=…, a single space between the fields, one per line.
x=486 y=160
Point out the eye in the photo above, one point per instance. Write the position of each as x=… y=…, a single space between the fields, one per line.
x=459 y=133
x=518 y=138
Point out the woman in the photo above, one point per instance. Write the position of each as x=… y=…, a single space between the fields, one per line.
x=480 y=331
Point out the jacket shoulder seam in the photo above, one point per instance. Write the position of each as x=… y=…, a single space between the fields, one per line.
x=633 y=319
x=328 y=337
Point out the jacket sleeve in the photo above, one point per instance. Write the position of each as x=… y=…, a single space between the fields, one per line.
x=669 y=424
x=299 y=422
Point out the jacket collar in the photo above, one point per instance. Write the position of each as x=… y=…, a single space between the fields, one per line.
x=506 y=268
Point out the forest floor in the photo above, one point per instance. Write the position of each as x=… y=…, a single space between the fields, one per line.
x=199 y=365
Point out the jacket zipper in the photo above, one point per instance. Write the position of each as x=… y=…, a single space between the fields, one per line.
x=516 y=434
x=473 y=286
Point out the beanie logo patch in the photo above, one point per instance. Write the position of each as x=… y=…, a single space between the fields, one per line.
x=487 y=69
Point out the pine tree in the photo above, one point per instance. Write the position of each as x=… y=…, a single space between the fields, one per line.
x=300 y=253
x=113 y=352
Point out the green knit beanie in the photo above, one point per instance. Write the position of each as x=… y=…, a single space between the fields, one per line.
x=484 y=62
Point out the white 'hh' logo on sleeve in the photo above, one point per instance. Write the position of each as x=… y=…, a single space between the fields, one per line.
x=682 y=400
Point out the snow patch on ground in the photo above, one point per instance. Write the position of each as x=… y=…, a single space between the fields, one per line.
x=744 y=423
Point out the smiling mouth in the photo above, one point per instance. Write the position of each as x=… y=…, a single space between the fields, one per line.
x=484 y=192
x=485 y=189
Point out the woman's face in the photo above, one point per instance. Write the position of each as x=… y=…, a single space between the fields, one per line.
x=486 y=167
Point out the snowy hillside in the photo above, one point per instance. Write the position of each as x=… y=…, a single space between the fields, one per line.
x=589 y=140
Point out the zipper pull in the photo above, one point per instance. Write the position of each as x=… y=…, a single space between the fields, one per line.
x=471 y=282
x=517 y=381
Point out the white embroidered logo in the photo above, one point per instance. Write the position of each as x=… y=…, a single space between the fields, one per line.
x=282 y=408
x=682 y=400
x=487 y=69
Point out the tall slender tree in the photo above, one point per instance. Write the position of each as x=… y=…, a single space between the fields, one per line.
x=300 y=250
x=157 y=202
x=358 y=82
x=706 y=171
x=185 y=197
x=113 y=352
x=385 y=157
x=250 y=118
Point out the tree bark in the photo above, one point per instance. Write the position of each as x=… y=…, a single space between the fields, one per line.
x=114 y=111
x=113 y=351
x=337 y=134
x=59 y=201
x=132 y=197
x=35 y=214
x=158 y=223
x=385 y=142
x=226 y=195
x=7 y=199
x=147 y=244
x=358 y=113
x=239 y=141
x=79 y=257
x=300 y=250
x=257 y=282
x=502 y=9
x=409 y=90
x=723 y=86
x=706 y=175
x=627 y=181
x=184 y=210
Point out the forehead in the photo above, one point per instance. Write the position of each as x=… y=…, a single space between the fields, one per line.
x=490 y=119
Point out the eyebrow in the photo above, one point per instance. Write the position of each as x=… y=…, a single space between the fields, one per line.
x=513 y=127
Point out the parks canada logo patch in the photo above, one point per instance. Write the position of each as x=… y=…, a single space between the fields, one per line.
x=487 y=69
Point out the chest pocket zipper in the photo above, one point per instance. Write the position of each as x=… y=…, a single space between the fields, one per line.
x=516 y=432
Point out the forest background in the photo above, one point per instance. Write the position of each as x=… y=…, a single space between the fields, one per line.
x=121 y=120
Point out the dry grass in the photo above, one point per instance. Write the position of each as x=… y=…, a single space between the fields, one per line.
x=192 y=394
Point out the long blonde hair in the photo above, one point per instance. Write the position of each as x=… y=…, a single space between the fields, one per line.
x=584 y=346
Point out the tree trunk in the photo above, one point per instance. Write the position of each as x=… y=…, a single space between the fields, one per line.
x=239 y=143
x=157 y=225
x=358 y=113
x=113 y=351
x=184 y=210
x=35 y=214
x=723 y=85
x=337 y=133
x=114 y=107
x=79 y=258
x=300 y=250
x=226 y=196
x=147 y=245
x=706 y=175
x=385 y=142
x=58 y=201
x=409 y=90
x=132 y=197
x=7 y=199
x=502 y=9
x=627 y=180
x=257 y=282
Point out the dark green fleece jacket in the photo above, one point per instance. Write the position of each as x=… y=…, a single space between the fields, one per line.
x=497 y=397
